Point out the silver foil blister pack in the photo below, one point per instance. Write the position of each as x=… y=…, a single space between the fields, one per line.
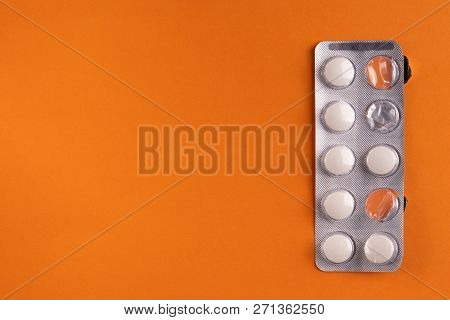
x=359 y=180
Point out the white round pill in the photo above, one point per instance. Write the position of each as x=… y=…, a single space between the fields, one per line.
x=338 y=248
x=338 y=116
x=338 y=160
x=338 y=72
x=382 y=160
x=338 y=204
x=380 y=248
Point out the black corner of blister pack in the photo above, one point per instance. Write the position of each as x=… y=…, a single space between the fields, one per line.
x=407 y=68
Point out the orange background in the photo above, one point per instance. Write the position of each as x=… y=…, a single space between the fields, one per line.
x=68 y=132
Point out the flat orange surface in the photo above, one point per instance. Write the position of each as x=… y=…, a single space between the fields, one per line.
x=68 y=132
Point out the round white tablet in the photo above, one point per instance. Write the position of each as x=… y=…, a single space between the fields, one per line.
x=338 y=116
x=338 y=72
x=338 y=248
x=382 y=160
x=380 y=248
x=338 y=160
x=338 y=204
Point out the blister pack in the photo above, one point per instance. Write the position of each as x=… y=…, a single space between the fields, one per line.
x=359 y=180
